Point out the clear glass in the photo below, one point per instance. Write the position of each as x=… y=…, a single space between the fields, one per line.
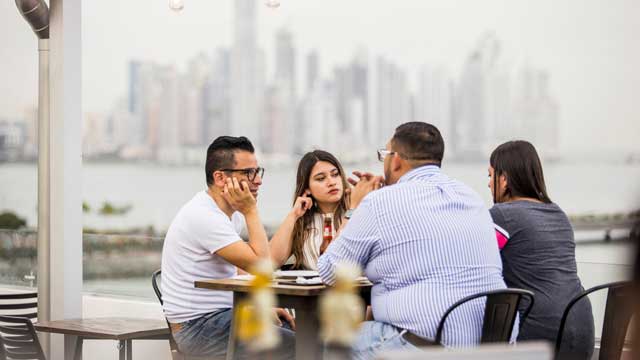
x=18 y=260
x=121 y=264
x=597 y=273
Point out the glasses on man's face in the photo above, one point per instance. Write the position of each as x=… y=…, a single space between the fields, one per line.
x=382 y=153
x=251 y=173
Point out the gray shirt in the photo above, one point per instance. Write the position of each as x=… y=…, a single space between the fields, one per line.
x=540 y=256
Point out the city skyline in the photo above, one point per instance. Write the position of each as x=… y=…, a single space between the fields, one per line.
x=170 y=114
x=580 y=117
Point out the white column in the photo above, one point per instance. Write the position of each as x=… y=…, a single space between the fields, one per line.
x=65 y=164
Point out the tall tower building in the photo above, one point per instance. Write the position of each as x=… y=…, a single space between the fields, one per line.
x=392 y=99
x=483 y=100
x=434 y=100
x=281 y=128
x=247 y=85
x=313 y=68
x=285 y=75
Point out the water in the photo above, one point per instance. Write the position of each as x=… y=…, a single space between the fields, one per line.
x=156 y=193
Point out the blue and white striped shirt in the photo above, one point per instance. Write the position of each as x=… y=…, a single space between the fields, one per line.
x=425 y=243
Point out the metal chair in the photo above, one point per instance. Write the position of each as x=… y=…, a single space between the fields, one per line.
x=499 y=313
x=18 y=339
x=20 y=304
x=175 y=352
x=617 y=315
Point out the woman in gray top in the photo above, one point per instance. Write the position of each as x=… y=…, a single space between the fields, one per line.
x=538 y=249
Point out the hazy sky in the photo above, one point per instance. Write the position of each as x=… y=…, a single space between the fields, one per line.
x=589 y=47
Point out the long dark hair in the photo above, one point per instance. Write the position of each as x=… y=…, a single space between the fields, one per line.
x=518 y=161
x=303 y=227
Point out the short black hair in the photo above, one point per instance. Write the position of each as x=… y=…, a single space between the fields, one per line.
x=221 y=154
x=419 y=141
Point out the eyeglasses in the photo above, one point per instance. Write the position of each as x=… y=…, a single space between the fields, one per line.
x=251 y=173
x=382 y=153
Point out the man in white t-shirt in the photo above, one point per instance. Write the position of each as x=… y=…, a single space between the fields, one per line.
x=203 y=242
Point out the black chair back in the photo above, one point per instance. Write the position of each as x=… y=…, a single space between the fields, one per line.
x=20 y=304
x=499 y=314
x=156 y=288
x=154 y=283
x=617 y=315
x=18 y=339
x=175 y=352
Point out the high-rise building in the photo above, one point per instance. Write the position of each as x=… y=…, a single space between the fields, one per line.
x=535 y=112
x=392 y=99
x=217 y=98
x=434 y=100
x=247 y=81
x=483 y=111
x=191 y=88
x=167 y=132
x=313 y=70
x=143 y=88
x=285 y=62
x=12 y=139
x=280 y=129
x=320 y=120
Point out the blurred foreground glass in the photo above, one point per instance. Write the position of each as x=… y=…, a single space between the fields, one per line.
x=272 y=3
x=176 y=5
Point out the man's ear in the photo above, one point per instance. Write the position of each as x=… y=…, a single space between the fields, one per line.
x=396 y=162
x=218 y=178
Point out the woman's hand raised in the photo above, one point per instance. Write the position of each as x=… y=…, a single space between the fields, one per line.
x=302 y=204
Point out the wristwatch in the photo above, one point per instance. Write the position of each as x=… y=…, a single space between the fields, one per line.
x=348 y=213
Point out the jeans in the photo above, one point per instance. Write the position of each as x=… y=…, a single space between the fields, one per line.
x=209 y=335
x=375 y=336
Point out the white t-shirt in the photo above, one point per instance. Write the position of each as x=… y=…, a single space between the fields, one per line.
x=199 y=230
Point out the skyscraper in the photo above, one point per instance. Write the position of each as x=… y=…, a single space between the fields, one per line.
x=483 y=103
x=433 y=100
x=281 y=130
x=313 y=68
x=247 y=84
x=392 y=99
x=217 y=98
x=285 y=74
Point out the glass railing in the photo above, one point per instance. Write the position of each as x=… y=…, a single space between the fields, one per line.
x=113 y=264
x=121 y=264
x=18 y=258
x=594 y=274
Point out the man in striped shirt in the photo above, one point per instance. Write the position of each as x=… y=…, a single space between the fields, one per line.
x=425 y=241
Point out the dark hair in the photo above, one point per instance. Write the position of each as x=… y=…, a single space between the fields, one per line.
x=518 y=161
x=304 y=225
x=419 y=141
x=221 y=154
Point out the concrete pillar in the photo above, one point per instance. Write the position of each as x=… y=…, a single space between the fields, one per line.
x=65 y=164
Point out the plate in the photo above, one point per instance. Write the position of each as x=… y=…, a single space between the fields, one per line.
x=294 y=274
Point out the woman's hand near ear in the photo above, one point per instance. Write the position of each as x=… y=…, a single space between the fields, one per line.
x=302 y=204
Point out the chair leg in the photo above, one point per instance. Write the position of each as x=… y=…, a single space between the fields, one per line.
x=78 y=352
x=233 y=343
x=122 y=348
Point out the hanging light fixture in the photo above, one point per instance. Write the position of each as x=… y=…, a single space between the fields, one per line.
x=176 y=5
x=272 y=3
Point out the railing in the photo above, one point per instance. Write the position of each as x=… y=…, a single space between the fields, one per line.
x=113 y=264
x=120 y=264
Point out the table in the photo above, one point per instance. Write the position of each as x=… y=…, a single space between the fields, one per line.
x=302 y=298
x=123 y=330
